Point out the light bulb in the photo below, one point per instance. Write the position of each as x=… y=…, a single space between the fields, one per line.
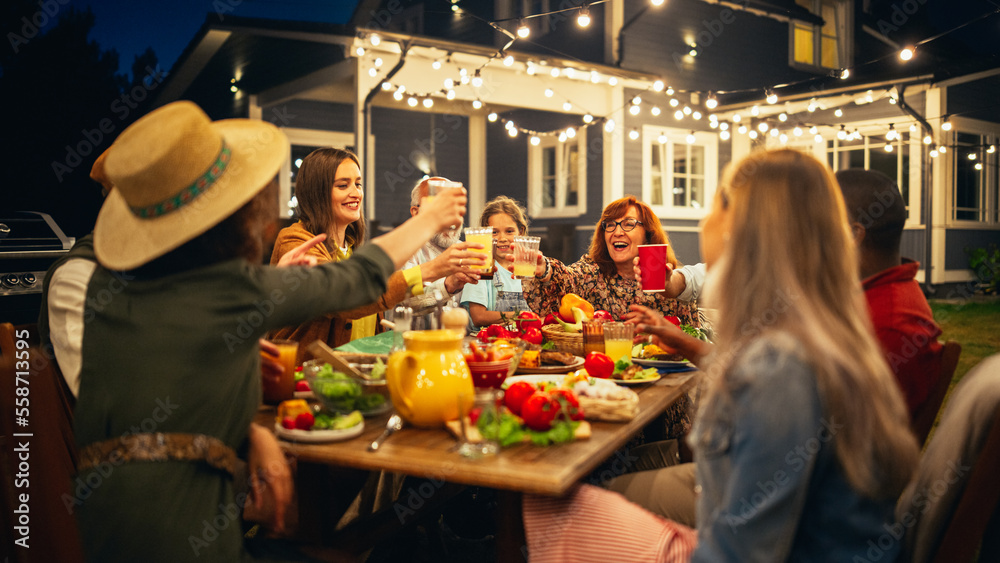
x=755 y=111
x=522 y=30
x=845 y=74
x=782 y=117
x=512 y=131
x=662 y=139
x=724 y=126
x=691 y=138
x=554 y=72
x=979 y=166
x=567 y=106
x=737 y=118
x=888 y=147
x=674 y=102
x=711 y=102
x=783 y=138
x=477 y=80
x=934 y=153
x=372 y=72
x=656 y=2
x=818 y=138
x=633 y=134
x=594 y=77
x=972 y=156
x=549 y=93
x=634 y=110
x=508 y=60
x=587 y=118
x=753 y=134
x=492 y=116
x=637 y=100
x=387 y=85
x=772 y=98
x=838 y=112
x=906 y=54
x=658 y=85
x=450 y=95
x=583 y=20
x=612 y=81
x=946 y=126
x=797 y=131
x=378 y=62
x=375 y=39
x=609 y=126
x=724 y=135
x=412 y=102
x=428 y=103
x=570 y=132
x=742 y=130
x=535 y=140
x=449 y=83
x=360 y=51
x=696 y=115
x=476 y=104
x=678 y=115
x=655 y=110
x=436 y=65
x=928 y=140
x=762 y=126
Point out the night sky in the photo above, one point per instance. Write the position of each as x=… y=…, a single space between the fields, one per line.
x=167 y=27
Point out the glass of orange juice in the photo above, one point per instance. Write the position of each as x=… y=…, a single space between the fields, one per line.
x=618 y=340
x=525 y=256
x=484 y=236
x=284 y=388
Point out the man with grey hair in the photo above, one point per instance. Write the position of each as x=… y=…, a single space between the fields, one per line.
x=459 y=257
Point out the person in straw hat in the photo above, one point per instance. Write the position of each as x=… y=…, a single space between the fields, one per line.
x=175 y=304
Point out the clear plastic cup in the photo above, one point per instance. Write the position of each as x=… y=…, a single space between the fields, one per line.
x=618 y=340
x=525 y=256
x=484 y=236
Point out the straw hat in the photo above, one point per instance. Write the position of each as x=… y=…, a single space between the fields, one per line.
x=177 y=174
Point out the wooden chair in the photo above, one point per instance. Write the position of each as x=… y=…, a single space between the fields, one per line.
x=54 y=533
x=952 y=508
x=923 y=419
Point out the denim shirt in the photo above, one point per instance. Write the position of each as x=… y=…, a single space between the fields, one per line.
x=772 y=488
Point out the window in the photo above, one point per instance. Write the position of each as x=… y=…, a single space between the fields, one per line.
x=869 y=153
x=975 y=196
x=557 y=177
x=679 y=176
x=824 y=46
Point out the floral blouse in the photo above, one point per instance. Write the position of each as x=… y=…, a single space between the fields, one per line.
x=613 y=294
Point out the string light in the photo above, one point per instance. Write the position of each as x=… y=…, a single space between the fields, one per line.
x=888 y=147
x=724 y=126
x=508 y=60
x=891 y=135
x=633 y=109
x=737 y=118
x=991 y=150
x=450 y=95
x=658 y=85
x=762 y=126
x=587 y=118
x=753 y=134
x=928 y=140
x=412 y=102
x=838 y=112
x=845 y=74
x=934 y=153
x=374 y=39
x=567 y=106
x=662 y=139
x=535 y=140
x=492 y=116
x=724 y=135
x=772 y=98
x=633 y=134
x=782 y=117
x=554 y=72
x=612 y=81
x=678 y=115
x=476 y=104
x=583 y=20
x=696 y=115
x=842 y=134
x=742 y=130
x=522 y=30
x=428 y=103
x=549 y=93
x=436 y=65
x=655 y=110
x=972 y=156
x=797 y=131
x=979 y=166
x=711 y=102
x=818 y=138
x=691 y=138
x=656 y=3
x=477 y=80
x=570 y=132
x=609 y=125
x=387 y=85
x=907 y=53
x=946 y=126
x=360 y=51
x=674 y=102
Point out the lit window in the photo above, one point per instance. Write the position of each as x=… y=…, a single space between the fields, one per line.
x=820 y=45
x=868 y=153
x=557 y=176
x=679 y=177
x=976 y=194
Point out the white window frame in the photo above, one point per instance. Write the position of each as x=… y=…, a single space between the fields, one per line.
x=709 y=140
x=321 y=138
x=844 y=37
x=989 y=198
x=874 y=136
x=535 y=208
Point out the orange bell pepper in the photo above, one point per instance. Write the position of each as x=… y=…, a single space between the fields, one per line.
x=571 y=300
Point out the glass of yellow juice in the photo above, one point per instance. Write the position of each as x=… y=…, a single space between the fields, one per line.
x=484 y=236
x=618 y=340
x=525 y=256
x=284 y=388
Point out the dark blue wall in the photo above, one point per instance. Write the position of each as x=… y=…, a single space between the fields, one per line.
x=958 y=241
x=309 y=114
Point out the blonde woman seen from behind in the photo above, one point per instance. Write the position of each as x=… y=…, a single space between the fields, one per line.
x=802 y=439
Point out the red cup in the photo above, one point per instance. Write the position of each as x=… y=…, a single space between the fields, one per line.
x=653 y=263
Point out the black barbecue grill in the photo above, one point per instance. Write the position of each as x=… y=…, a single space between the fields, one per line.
x=29 y=243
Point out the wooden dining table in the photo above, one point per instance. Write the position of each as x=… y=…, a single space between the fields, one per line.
x=548 y=470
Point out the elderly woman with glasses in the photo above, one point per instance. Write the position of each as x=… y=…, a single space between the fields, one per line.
x=605 y=277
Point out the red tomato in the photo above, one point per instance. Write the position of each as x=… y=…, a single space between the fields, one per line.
x=533 y=335
x=474 y=413
x=288 y=423
x=550 y=319
x=676 y=321
x=301 y=385
x=599 y=365
x=516 y=394
x=539 y=410
x=305 y=421
x=527 y=319
x=602 y=314
x=497 y=331
x=569 y=403
x=483 y=336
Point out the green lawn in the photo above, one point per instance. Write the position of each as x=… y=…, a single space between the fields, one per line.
x=975 y=324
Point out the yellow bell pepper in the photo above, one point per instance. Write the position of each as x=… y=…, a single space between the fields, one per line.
x=571 y=300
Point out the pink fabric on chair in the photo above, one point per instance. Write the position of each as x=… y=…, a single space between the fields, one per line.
x=592 y=524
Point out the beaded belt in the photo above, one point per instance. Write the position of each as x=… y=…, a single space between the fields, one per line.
x=159 y=447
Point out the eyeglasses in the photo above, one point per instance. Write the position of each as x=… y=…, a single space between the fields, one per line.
x=626 y=224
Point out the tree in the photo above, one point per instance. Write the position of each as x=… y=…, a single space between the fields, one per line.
x=64 y=107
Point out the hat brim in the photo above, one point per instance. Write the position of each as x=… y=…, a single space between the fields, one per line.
x=123 y=241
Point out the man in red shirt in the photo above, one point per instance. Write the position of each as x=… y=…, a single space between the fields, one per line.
x=902 y=318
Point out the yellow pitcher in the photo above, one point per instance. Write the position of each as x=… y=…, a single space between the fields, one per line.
x=426 y=379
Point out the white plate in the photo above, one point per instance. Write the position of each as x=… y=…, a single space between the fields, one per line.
x=553 y=368
x=535 y=379
x=664 y=366
x=314 y=436
x=631 y=382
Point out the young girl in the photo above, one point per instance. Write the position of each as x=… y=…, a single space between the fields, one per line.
x=802 y=441
x=492 y=300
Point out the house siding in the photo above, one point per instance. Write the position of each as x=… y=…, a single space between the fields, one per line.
x=657 y=42
x=310 y=114
x=408 y=145
x=958 y=241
